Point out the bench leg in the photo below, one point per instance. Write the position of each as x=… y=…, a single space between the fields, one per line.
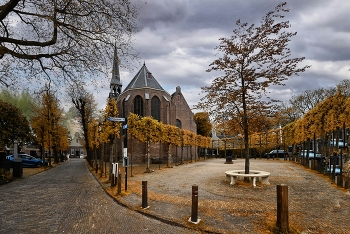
x=233 y=180
x=254 y=181
x=265 y=180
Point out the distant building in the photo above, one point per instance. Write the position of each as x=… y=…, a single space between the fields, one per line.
x=76 y=148
x=146 y=97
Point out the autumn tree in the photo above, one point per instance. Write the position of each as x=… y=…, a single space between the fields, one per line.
x=47 y=124
x=252 y=60
x=203 y=123
x=147 y=130
x=110 y=130
x=93 y=126
x=13 y=124
x=62 y=40
x=85 y=103
x=170 y=137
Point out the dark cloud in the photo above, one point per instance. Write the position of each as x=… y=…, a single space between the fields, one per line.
x=177 y=40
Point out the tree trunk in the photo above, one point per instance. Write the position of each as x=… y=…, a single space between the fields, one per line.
x=245 y=129
x=148 y=157
x=102 y=157
x=169 y=157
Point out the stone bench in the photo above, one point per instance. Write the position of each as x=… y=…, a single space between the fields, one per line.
x=235 y=175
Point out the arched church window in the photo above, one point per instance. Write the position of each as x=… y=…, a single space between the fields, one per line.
x=155 y=108
x=178 y=123
x=138 y=105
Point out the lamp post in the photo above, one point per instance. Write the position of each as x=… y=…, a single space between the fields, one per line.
x=217 y=149
x=69 y=148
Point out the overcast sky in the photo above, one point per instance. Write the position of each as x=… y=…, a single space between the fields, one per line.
x=176 y=40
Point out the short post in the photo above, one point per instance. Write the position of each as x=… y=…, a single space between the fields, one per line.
x=144 y=195
x=194 y=210
x=333 y=169
x=126 y=179
x=346 y=184
x=125 y=164
x=119 y=182
x=114 y=172
x=282 y=208
x=116 y=179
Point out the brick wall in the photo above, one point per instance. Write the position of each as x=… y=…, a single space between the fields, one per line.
x=171 y=108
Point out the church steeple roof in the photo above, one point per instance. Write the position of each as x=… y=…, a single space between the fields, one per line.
x=115 y=72
x=143 y=79
x=115 y=84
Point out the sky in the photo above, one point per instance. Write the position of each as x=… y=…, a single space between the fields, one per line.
x=177 y=40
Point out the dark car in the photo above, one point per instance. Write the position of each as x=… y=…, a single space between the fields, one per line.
x=303 y=154
x=28 y=160
x=276 y=154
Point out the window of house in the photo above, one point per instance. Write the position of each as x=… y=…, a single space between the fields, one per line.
x=155 y=108
x=138 y=105
x=178 y=123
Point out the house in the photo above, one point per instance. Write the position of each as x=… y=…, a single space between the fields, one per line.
x=76 y=148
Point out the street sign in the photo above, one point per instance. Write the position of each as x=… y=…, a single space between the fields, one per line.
x=116 y=119
x=126 y=162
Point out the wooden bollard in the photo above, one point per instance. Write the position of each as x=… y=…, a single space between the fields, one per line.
x=115 y=179
x=194 y=210
x=282 y=208
x=144 y=195
x=119 y=182
x=112 y=181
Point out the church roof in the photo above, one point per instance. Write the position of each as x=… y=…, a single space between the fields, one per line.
x=115 y=72
x=143 y=79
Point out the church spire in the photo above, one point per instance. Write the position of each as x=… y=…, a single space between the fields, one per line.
x=115 y=85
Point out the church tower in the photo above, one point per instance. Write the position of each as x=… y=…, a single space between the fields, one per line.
x=115 y=85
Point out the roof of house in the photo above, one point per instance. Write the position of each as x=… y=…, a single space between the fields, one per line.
x=143 y=79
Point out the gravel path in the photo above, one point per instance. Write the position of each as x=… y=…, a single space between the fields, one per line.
x=315 y=204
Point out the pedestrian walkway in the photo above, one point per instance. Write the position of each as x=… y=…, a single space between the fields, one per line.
x=315 y=204
x=68 y=199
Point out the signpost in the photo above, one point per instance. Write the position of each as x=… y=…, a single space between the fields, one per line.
x=125 y=156
x=116 y=119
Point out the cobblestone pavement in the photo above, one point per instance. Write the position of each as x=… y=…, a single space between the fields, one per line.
x=315 y=204
x=68 y=199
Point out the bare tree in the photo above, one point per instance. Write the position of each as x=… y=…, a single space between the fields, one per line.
x=309 y=99
x=62 y=40
x=86 y=105
x=254 y=58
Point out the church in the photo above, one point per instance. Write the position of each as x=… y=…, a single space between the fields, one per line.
x=146 y=97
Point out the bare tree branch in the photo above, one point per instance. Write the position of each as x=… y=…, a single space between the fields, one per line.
x=69 y=38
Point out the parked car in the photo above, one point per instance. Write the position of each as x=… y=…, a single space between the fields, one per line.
x=276 y=154
x=340 y=143
x=28 y=160
x=329 y=169
x=303 y=154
